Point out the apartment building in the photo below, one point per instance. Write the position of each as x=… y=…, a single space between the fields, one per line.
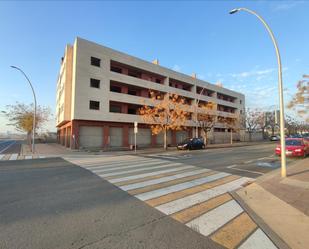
x=100 y=90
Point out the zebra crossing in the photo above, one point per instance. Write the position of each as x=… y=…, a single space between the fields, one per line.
x=197 y=197
x=16 y=156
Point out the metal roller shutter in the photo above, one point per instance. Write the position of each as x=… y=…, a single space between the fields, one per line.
x=181 y=135
x=160 y=138
x=143 y=137
x=90 y=137
x=115 y=136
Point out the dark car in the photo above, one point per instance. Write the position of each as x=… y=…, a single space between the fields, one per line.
x=191 y=144
x=274 y=138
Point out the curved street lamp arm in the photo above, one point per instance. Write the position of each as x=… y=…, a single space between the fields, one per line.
x=35 y=104
x=282 y=134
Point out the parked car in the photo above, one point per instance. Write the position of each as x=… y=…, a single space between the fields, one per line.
x=274 y=138
x=294 y=147
x=191 y=144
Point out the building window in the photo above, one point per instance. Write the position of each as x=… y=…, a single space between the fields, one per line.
x=95 y=83
x=95 y=61
x=94 y=105
x=132 y=111
x=134 y=73
x=132 y=92
x=158 y=81
x=116 y=69
x=240 y=102
x=115 y=108
x=116 y=89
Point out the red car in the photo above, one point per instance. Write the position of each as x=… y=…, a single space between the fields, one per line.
x=294 y=147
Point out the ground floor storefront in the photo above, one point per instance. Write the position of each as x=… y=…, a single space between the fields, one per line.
x=83 y=134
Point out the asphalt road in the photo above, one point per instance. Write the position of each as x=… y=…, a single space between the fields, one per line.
x=10 y=146
x=250 y=161
x=51 y=203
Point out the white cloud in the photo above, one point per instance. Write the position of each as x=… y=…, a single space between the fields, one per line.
x=253 y=73
x=286 y=5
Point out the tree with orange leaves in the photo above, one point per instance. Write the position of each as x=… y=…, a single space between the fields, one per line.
x=167 y=112
x=206 y=118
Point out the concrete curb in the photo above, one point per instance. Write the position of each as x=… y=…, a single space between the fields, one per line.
x=258 y=220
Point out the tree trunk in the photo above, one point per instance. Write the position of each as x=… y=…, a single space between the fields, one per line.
x=29 y=138
x=205 y=138
x=263 y=133
x=165 y=139
x=250 y=136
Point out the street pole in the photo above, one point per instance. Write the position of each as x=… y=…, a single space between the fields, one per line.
x=282 y=134
x=135 y=143
x=35 y=105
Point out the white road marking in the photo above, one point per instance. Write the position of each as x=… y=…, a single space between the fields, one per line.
x=135 y=170
x=245 y=170
x=125 y=166
x=214 y=219
x=103 y=162
x=179 y=204
x=8 y=146
x=138 y=176
x=258 y=240
x=162 y=179
x=178 y=187
x=165 y=156
x=14 y=156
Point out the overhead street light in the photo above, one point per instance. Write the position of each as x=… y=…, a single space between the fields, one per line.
x=282 y=135
x=35 y=107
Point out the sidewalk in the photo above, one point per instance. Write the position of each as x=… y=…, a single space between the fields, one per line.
x=281 y=205
x=54 y=149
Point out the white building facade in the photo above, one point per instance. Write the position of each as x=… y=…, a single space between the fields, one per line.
x=100 y=90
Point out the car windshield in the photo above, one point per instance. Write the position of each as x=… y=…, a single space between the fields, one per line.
x=293 y=142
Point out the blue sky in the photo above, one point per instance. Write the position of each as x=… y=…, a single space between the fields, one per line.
x=186 y=36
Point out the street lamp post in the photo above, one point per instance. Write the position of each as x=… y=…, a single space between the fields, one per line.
x=35 y=107
x=282 y=135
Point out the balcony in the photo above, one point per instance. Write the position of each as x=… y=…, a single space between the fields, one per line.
x=121 y=68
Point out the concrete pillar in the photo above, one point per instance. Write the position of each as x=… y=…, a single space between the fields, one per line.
x=125 y=136
x=190 y=132
x=153 y=140
x=124 y=89
x=106 y=136
x=174 y=140
x=144 y=93
x=125 y=71
x=74 y=134
x=124 y=108
x=66 y=137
